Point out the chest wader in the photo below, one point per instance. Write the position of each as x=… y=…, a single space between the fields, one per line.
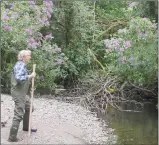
x=22 y=106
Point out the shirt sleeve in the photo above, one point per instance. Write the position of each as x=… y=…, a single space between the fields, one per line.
x=20 y=72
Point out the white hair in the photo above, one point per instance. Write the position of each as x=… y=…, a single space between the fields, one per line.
x=23 y=53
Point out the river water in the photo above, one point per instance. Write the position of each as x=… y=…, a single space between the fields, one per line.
x=134 y=128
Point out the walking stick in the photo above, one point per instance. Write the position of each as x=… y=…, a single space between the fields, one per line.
x=31 y=104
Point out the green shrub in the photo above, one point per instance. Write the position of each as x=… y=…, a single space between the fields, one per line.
x=132 y=54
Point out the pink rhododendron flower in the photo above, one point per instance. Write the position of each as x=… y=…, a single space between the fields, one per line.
x=32 y=45
x=48 y=15
x=45 y=21
x=49 y=36
x=117 y=44
x=6 y=18
x=31 y=40
x=48 y=3
x=28 y=31
x=31 y=2
x=51 y=3
x=121 y=49
x=8 y=28
x=128 y=44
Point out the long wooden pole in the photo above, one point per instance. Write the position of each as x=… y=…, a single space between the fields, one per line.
x=31 y=104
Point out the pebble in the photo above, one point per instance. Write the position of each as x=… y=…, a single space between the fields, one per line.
x=59 y=122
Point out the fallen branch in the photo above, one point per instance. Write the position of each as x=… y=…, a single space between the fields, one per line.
x=144 y=89
x=94 y=57
x=110 y=28
x=100 y=97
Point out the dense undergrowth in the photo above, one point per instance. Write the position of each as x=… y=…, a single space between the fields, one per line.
x=75 y=42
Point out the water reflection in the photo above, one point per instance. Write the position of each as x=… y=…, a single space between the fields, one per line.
x=134 y=128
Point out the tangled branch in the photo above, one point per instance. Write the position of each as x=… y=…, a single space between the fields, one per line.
x=105 y=92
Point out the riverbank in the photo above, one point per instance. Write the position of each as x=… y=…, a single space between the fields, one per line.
x=57 y=123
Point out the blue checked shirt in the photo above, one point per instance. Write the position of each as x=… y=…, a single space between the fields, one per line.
x=20 y=71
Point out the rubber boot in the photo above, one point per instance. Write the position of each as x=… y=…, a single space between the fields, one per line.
x=14 y=131
x=26 y=121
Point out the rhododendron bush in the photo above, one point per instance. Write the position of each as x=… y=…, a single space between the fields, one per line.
x=21 y=25
x=132 y=54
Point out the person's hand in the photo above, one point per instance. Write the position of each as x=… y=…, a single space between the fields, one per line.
x=32 y=75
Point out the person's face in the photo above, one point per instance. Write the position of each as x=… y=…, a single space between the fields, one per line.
x=27 y=57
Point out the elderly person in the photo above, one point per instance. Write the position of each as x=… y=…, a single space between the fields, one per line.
x=20 y=81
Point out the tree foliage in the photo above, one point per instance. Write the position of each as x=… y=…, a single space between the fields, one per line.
x=67 y=40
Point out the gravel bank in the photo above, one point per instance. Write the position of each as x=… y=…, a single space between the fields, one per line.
x=57 y=123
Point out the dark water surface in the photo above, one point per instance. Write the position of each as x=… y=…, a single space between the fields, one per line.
x=134 y=128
